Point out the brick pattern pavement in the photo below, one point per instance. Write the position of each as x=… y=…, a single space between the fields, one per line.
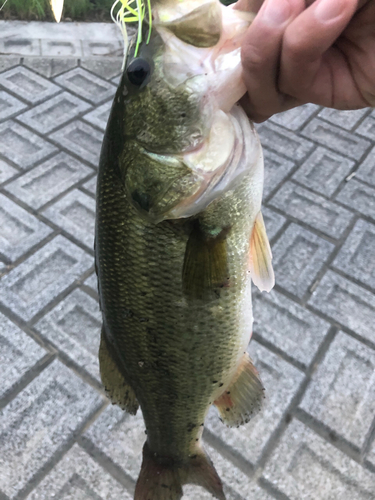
x=314 y=338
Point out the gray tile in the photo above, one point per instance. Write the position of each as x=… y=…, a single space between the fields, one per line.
x=345 y=119
x=7 y=62
x=81 y=139
x=73 y=327
x=105 y=67
x=281 y=382
x=366 y=171
x=347 y=303
x=288 y=326
x=53 y=113
x=86 y=85
x=312 y=209
x=304 y=466
x=276 y=169
x=43 y=183
x=341 y=393
x=92 y=282
x=284 y=141
x=298 y=256
x=42 y=419
x=295 y=118
x=371 y=455
x=323 y=171
x=18 y=45
x=50 y=66
x=75 y=213
x=19 y=353
x=77 y=476
x=6 y=171
x=367 y=127
x=96 y=48
x=91 y=185
x=21 y=146
x=20 y=231
x=9 y=105
x=357 y=256
x=62 y=48
x=39 y=279
x=336 y=138
x=100 y=115
x=273 y=221
x=27 y=85
x=358 y=196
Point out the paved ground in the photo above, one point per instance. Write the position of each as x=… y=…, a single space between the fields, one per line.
x=314 y=339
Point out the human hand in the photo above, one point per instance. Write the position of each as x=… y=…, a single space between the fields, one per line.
x=299 y=51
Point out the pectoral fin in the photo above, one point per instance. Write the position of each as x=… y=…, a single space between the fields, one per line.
x=116 y=387
x=261 y=257
x=243 y=398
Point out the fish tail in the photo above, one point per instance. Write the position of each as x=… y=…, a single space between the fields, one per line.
x=163 y=481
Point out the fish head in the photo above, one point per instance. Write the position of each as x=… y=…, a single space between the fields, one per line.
x=178 y=88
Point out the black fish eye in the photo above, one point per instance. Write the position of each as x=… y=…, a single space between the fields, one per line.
x=138 y=72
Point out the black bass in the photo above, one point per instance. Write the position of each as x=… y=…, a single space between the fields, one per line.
x=179 y=236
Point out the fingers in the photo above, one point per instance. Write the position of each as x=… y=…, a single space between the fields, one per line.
x=307 y=39
x=261 y=51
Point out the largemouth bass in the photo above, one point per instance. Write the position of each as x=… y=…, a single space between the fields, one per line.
x=179 y=236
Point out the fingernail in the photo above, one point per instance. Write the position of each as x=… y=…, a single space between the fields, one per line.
x=276 y=12
x=326 y=10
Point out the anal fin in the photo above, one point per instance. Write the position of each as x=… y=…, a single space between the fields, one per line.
x=243 y=398
x=261 y=257
x=116 y=387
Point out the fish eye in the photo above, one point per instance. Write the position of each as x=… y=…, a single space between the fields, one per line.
x=138 y=72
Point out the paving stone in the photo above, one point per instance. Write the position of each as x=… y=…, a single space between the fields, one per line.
x=357 y=256
x=75 y=213
x=273 y=221
x=116 y=80
x=50 y=66
x=284 y=141
x=276 y=169
x=18 y=354
x=345 y=119
x=288 y=326
x=39 y=279
x=91 y=185
x=358 y=196
x=295 y=118
x=113 y=48
x=106 y=67
x=53 y=113
x=21 y=146
x=371 y=455
x=100 y=115
x=73 y=327
x=65 y=48
x=20 y=231
x=336 y=138
x=298 y=256
x=86 y=85
x=366 y=171
x=367 y=127
x=341 y=393
x=304 y=466
x=324 y=171
x=43 y=183
x=81 y=139
x=312 y=209
x=281 y=382
x=92 y=282
x=27 y=85
x=21 y=46
x=6 y=171
x=7 y=62
x=347 y=303
x=9 y=105
x=78 y=477
x=39 y=422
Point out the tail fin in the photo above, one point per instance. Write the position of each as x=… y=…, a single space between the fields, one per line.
x=161 y=481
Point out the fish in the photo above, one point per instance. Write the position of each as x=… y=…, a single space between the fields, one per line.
x=179 y=239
